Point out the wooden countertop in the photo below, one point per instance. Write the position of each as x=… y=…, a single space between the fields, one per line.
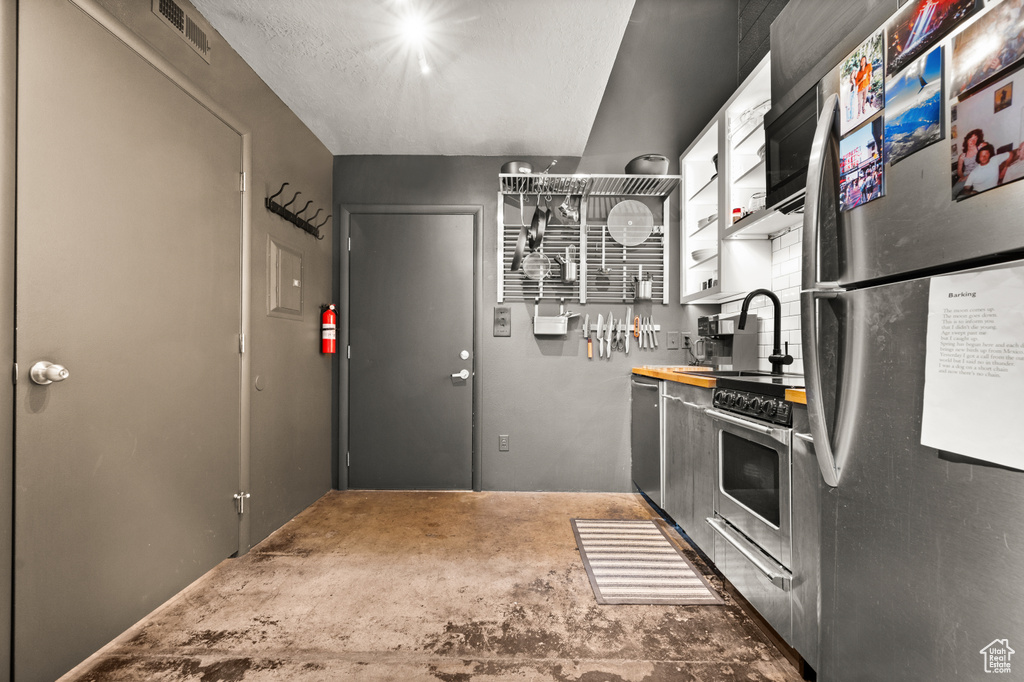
x=692 y=376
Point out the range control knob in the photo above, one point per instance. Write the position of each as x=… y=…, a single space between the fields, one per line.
x=769 y=408
x=741 y=402
x=755 y=404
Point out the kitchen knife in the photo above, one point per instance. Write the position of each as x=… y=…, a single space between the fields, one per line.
x=654 y=334
x=586 y=335
x=629 y=316
x=611 y=328
x=600 y=339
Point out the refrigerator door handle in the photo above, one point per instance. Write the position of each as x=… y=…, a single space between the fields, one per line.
x=825 y=141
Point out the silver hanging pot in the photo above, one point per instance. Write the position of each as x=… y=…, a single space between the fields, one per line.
x=643 y=286
x=570 y=271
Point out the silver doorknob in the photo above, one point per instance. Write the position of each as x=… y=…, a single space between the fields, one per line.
x=44 y=372
x=464 y=374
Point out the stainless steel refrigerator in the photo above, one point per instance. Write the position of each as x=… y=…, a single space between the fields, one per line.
x=922 y=550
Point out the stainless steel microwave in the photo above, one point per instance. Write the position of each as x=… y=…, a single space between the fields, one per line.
x=787 y=152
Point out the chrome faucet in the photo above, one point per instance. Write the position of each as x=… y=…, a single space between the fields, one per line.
x=776 y=358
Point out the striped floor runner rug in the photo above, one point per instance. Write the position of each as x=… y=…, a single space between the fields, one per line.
x=633 y=562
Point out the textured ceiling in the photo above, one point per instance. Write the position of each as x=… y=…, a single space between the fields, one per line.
x=508 y=77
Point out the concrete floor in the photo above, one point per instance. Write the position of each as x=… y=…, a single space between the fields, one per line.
x=450 y=586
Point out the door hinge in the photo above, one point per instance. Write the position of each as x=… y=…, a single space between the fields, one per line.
x=241 y=186
x=240 y=498
x=14 y=374
x=241 y=343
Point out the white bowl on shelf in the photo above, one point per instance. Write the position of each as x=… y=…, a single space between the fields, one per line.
x=702 y=254
x=704 y=222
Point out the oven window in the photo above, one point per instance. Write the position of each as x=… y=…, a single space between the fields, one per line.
x=750 y=475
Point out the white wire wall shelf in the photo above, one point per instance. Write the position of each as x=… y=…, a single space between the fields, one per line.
x=607 y=270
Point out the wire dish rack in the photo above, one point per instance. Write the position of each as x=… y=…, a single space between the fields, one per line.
x=607 y=269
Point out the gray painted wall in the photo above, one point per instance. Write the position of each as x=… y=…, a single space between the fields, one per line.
x=675 y=68
x=290 y=461
x=567 y=417
x=755 y=22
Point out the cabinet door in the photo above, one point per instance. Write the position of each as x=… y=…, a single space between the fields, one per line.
x=689 y=466
x=679 y=461
x=645 y=436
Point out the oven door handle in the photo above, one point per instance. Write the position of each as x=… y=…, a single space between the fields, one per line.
x=779 y=575
x=780 y=435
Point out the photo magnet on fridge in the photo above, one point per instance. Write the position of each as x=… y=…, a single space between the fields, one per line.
x=919 y=25
x=861 y=172
x=988 y=47
x=990 y=124
x=913 y=107
x=861 y=86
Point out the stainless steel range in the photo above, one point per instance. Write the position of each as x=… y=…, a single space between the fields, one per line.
x=753 y=495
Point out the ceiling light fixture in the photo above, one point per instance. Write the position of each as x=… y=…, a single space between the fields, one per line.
x=414 y=28
x=415 y=31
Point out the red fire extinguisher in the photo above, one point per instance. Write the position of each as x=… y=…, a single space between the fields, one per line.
x=328 y=330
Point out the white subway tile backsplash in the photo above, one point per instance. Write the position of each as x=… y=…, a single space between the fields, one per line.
x=786 y=264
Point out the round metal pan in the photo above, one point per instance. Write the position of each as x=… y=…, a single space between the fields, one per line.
x=537 y=227
x=517 y=256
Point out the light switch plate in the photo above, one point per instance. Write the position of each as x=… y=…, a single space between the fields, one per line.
x=673 y=341
x=502 y=321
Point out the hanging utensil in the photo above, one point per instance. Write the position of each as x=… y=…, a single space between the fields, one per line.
x=600 y=337
x=629 y=315
x=536 y=266
x=630 y=222
x=604 y=268
x=517 y=256
x=586 y=335
x=538 y=225
x=611 y=323
x=568 y=265
x=569 y=210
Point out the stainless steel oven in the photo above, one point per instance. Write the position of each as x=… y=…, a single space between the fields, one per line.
x=753 y=509
x=753 y=488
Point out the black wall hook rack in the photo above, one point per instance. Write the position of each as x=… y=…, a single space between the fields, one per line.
x=296 y=219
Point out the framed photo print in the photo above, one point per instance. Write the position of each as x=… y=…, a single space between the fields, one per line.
x=861 y=85
x=913 y=107
x=988 y=47
x=919 y=25
x=989 y=138
x=861 y=171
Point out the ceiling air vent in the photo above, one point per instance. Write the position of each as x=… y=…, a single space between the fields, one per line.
x=184 y=25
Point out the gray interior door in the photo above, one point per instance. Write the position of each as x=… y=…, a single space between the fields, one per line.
x=410 y=319
x=129 y=244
